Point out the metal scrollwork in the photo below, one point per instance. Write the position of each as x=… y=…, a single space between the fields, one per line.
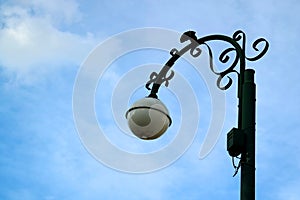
x=225 y=56
x=195 y=51
x=238 y=35
x=154 y=78
x=262 y=52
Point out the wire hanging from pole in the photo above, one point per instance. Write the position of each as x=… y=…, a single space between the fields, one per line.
x=236 y=167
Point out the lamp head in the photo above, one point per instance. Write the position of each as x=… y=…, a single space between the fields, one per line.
x=148 y=118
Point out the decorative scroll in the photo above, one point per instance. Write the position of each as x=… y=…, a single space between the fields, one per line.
x=225 y=56
x=154 y=79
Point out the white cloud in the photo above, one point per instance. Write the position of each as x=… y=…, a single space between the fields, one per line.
x=32 y=43
x=66 y=11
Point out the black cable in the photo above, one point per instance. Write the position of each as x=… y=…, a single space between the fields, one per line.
x=236 y=167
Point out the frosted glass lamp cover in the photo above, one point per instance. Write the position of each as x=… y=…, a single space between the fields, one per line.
x=148 y=118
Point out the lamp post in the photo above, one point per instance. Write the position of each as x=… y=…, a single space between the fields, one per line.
x=240 y=140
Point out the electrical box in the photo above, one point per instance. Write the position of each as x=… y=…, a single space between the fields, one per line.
x=235 y=142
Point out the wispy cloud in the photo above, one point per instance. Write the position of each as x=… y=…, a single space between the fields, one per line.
x=32 y=42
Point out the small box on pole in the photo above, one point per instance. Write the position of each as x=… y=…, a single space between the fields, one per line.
x=235 y=142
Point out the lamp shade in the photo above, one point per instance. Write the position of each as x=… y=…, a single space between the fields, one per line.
x=148 y=118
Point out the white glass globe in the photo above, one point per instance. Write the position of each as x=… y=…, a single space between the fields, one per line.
x=148 y=118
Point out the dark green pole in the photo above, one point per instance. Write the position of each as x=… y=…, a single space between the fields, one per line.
x=248 y=127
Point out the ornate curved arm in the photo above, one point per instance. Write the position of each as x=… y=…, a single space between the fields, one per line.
x=194 y=50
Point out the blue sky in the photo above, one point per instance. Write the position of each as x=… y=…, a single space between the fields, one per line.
x=43 y=44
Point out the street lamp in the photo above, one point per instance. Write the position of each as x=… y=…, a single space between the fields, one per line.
x=149 y=118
